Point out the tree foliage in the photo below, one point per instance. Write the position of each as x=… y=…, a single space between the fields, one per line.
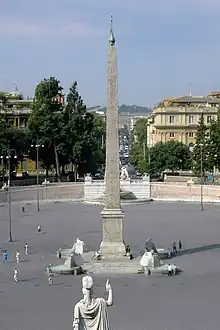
x=139 y=151
x=213 y=144
x=44 y=123
x=200 y=150
x=68 y=132
x=171 y=155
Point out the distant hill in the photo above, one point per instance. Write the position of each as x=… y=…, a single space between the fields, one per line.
x=134 y=109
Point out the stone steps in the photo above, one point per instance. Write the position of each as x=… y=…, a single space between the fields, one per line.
x=104 y=267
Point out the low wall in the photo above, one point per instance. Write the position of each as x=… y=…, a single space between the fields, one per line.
x=51 y=192
x=184 y=191
x=76 y=191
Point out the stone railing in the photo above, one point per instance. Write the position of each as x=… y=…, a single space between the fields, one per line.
x=70 y=191
x=91 y=190
x=184 y=191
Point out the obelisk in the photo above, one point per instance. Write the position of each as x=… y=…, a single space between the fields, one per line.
x=112 y=245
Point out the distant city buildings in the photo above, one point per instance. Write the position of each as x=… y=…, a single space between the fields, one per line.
x=173 y=118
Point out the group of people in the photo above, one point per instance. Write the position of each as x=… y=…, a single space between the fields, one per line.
x=172 y=269
x=17 y=257
x=174 y=247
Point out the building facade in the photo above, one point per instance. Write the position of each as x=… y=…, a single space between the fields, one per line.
x=17 y=110
x=177 y=119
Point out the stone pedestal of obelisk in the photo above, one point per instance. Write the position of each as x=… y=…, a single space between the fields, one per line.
x=112 y=246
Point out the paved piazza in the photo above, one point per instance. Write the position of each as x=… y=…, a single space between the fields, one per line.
x=189 y=301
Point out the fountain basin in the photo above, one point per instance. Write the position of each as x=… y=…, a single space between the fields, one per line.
x=65 y=270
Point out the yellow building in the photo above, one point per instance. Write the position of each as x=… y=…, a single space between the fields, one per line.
x=178 y=118
x=17 y=110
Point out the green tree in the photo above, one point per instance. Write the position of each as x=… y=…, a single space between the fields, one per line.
x=140 y=130
x=82 y=134
x=171 y=155
x=213 y=146
x=139 y=150
x=45 y=121
x=201 y=147
x=98 y=149
x=139 y=158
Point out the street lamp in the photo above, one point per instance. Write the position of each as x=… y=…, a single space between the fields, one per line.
x=201 y=176
x=37 y=146
x=2 y=165
x=8 y=157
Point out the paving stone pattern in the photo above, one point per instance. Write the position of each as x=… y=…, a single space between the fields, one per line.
x=186 y=302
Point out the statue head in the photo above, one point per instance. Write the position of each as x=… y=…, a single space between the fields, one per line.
x=87 y=285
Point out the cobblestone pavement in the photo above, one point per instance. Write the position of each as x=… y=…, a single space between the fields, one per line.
x=189 y=301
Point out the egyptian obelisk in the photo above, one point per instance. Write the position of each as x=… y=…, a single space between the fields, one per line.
x=112 y=245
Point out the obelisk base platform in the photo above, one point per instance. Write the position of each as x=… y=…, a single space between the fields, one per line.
x=112 y=246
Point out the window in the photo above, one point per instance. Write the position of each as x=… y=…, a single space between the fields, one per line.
x=171 y=119
x=191 y=134
x=191 y=119
x=172 y=135
x=209 y=119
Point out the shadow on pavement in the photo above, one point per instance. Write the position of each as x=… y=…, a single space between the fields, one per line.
x=198 y=249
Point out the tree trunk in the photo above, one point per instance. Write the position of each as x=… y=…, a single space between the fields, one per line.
x=57 y=162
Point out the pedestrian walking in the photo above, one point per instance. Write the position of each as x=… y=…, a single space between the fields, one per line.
x=17 y=256
x=169 y=268
x=169 y=254
x=174 y=270
x=39 y=229
x=50 y=277
x=26 y=247
x=174 y=247
x=180 y=245
x=5 y=257
x=16 y=275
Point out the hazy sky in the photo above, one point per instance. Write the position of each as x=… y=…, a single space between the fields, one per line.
x=164 y=46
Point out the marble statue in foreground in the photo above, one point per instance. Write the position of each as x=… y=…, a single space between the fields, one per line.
x=91 y=313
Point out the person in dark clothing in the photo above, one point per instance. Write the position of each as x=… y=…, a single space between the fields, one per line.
x=180 y=245
x=128 y=250
x=174 y=247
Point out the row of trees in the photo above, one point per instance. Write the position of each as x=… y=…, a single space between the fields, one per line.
x=207 y=147
x=69 y=133
x=173 y=155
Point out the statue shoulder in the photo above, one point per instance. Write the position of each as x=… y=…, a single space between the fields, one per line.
x=78 y=304
x=101 y=301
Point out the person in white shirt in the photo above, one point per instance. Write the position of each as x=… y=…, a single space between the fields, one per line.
x=174 y=269
x=17 y=255
x=169 y=268
x=16 y=275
